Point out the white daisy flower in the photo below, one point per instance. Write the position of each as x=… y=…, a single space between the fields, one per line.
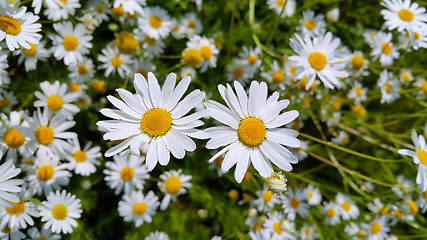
x=83 y=161
x=293 y=203
x=155 y=22
x=341 y=139
x=358 y=93
x=404 y=185
x=143 y=66
x=190 y=24
x=99 y=10
x=308 y=232
x=238 y=71
x=276 y=76
x=287 y=6
x=130 y=6
x=251 y=54
x=280 y=227
x=332 y=213
x=378 y=229
x=367 y=186
x=48 y=173
x=420 y=158
x=114 y=61
x=300 y=152
x=138 y=208
x=6 y=234
x=209 y=53
x=154 y=116
x=60 y=9
x=354 y=230
x=59 y=212
x=348 y=210
x=312 y=25
x=265 y=200
x=389 y=87
x=42 y=234
x=8 y=100
x=13 y=140
x=9 y=186
x=18 y=27
x=357 y=64
x=406 y=76
x=173 y=184
x=318 y=57
x=421 y=83
x=384 y=49
x=71 y=44
x=416 y=40
x=157 y=236
x=126 y=173
x=254 y=132
x=403 y=15
x=290 y=72
x=81 y=71
x=313 y=195
x=56 y=99
x=191 y=72
x=30 y=56
x=153 y=48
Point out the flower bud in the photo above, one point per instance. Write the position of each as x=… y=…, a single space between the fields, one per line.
x=277 y=183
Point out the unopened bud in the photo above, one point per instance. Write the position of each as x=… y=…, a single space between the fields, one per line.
x=277 y=183
x=333 y=15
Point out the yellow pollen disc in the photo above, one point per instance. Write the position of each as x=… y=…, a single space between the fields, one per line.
x=126 y=43
x=192 y=57
x=99 y=86
x=74 y=87
x=59 y=212
x=29 y=162
x=155 y=22
x=247 y=198
x=251 y=60
x=336 y=105
x=150 y=41
x=292 y=69
x=237 y=72
x=358 y=91
x=13 y=138
x=383 y=211
x=317 y=60
x=398 y=214
x=10 y=25
x=18 y=208
x=424 y=86
x=388 y=87
x=405 y=15
x=309 y=195
x=278 y=77
x=44 y=135
x=79 y=156
x=267 y=196
x=413 y=207
x=416 y=36
x=30 y=51
x=173 y=185
x=310 y=24
x=82 y=69
x=233 y=194
x=45 y=172
x=139 y=208
x=116 y=61
x=277 y=228
x=360 y=234
x=345 y=140
x=4 y=102
x=6 y=229
x=425 y=195
x=126 y=174
x=280 y=3
x=294 y=203
x=359 y=109
x=386 y=48
x=54 y=102
x=307 y=231
x=118 y=11
x=358 y=62
x=175 y=29
x=191 y=24
x=251 y=131
x=422 y=156
x=70 y=43
x=346 y=206
x=63 y=1
x=41 y=238
x=297 y=149
x=330 y=213
x=156 y=122
x=257 y=227
x=376 y=227
x=206 y=52
x=406 y=77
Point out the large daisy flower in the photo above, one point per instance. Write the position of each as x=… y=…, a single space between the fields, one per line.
x=155 y=22
x=403 y=15
x=154 y=116
x=253 y=133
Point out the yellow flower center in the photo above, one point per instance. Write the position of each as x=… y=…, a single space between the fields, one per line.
x=74 y=87
x=277 y=228
x=45 y=172
x=82 y=69
x=398 y=214
x=294 y=203
x=360 y=234
x=307 y=231
x=10 y=25
x=406 y=77
x=233 y=194
x=118 y=11
x=44 y=135
x=81 y=101
x=422 y=156
x=70 y=43
x=292 y=69
x=206 y=52
x=116 y=61
x=413 y=207
x=191 y=24
x=59 y=212
x=310 y=24
x=405 y=15
x=6 y=229
x=41 y=238
x=192 y=57
x=297 y=149
x=251 y=60
x=13 y=138
x=359 y=109
x=4 y=102
x=278 y=77
x=345 y=140
x=155 y=22
x=126 y=43
x=257 y=227
x=280 y=3
x=309 y=194
x=150 y=41
x=383 y=211
x=358 y=91
x=336 y=105
x=388 y=87
x=18 y=208
x=139 y=208
x=79 y=156
x=238 y=72
x=54 y=102
x=251 y=131
x=416 y=36
x=346 y=206
x=126 y=174
x=173 y=185
x=358 y=62
x=376 y=227
x=317 y=60
x=267 y=196
x=386 y=48
x=424 y=86
x=330 y=213
x=30 y=51
x=99 y=86
x=156 y=122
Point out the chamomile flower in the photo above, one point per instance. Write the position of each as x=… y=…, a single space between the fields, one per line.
x=155 y=116
x=403 y=15
x=265 y=200
x=17 y=26
x=155 y=22
x=290 y=72
x=60 y=9
x=378 y=229
x=355 y=230
x=143 y=66
x=138 y=208
x=280 y=227
x=13 y=140
x=406 y=76
x=209 y=53
x=130 y=6
x=404 y=185
x=83 y=161
x=56 y=99
x=152 y=47
x=42 y=234
x=421 y=83
x=173 y=184
x=341 y=139
x=6 y=234
x=251 y=55
x=81 y=71
x=114 y=61
x=313 y=195
x=384 y=49
x=157 y=236
x=367 y=186
x=191 y=72
x=312 y=25
x=30 y=56
x=389 y=87
x=348 y=210
x=293 y=203
x=420 y=158
x=9 y=186
x=307 y=232
x=70 y=44
x=254 y=132
x=357 y=64
x=60 y=211
x=416 y=40
x=190 y=25
x=332 y=213
x=276 y=76
x=358 y=93
x=126 y=173
x=284 y=7
x=238 y=71
x=318 y=57
x=48 y=173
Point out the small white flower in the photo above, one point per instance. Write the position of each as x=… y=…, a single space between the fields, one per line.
x=138 y=208
x=173 y=184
